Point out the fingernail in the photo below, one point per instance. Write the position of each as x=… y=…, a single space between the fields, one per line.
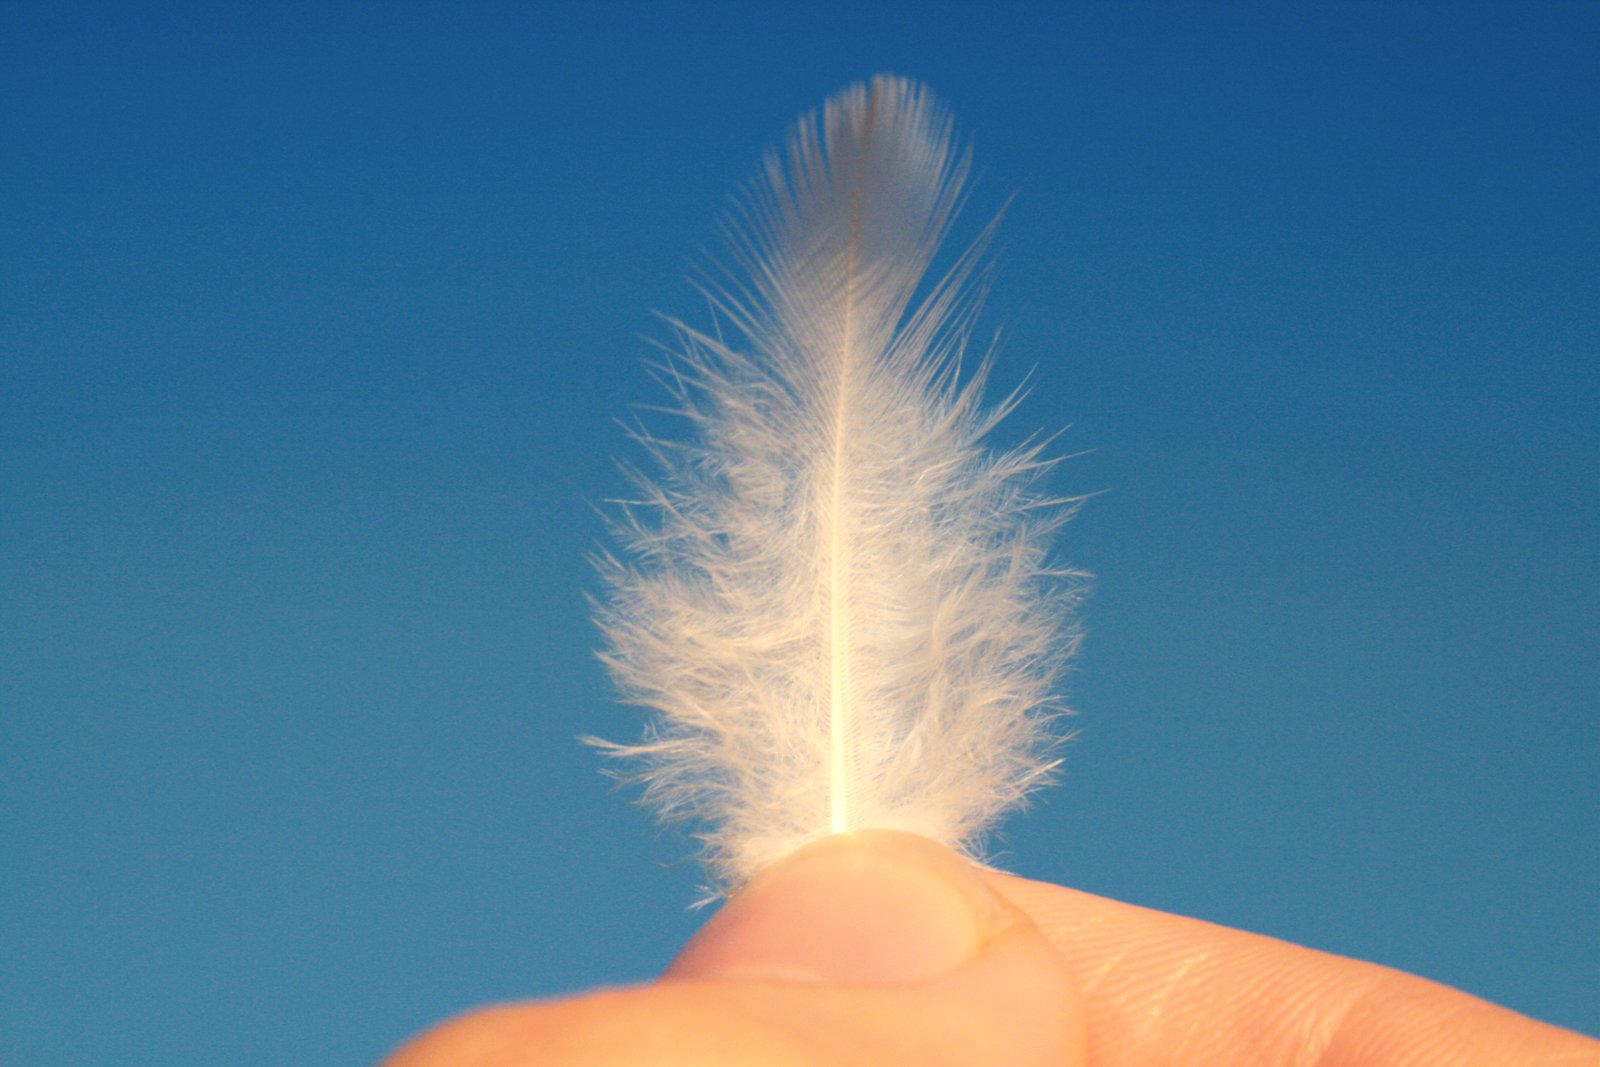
x=872 y=908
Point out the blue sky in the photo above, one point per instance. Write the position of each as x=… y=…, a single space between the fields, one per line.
x=315 y=325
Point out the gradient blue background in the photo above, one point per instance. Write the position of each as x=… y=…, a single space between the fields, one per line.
x=314 y=324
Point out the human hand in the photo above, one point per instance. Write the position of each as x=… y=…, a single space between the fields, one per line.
x=884 y=948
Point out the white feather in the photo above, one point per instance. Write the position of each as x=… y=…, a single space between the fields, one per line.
x=835 y=598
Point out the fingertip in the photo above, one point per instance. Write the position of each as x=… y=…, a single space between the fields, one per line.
x=870 y=908
x=903 y=940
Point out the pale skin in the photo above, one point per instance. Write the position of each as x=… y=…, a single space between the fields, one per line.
x=882 y=948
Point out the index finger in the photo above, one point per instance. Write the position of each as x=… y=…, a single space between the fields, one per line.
x=1163 y=989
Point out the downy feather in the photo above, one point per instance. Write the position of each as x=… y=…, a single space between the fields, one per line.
x=835 y=598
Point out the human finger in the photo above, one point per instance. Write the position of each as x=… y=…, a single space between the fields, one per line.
x=874 y=948
x=1162 y=989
